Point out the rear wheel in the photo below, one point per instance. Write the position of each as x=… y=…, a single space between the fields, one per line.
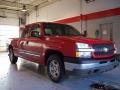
x=55 y=68
x=12 y=57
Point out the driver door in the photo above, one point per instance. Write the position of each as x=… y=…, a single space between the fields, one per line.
x=34 y=44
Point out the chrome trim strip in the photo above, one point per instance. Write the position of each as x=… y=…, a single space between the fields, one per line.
x=29 y=53
x=86 y=50
x=72 y=66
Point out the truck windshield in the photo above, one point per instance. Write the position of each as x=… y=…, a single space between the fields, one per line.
x=53 y=29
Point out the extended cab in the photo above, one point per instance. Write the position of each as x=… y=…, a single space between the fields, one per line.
x=61 y=47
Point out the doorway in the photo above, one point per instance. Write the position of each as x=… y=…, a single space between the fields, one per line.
x=106 y=31
x=6 y=33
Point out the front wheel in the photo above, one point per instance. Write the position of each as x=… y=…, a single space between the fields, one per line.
x=12 y=57
x=55 y=68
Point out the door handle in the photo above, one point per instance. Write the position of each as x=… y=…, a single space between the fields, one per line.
x=27 y=42
x=21 y=44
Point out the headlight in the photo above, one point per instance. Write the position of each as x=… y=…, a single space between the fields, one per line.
x=83 y=50
x=82 y=45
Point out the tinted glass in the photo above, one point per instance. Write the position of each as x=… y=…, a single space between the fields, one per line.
x=36 y=28
x=53 y=29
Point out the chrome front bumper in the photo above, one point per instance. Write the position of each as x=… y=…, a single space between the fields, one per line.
x=91 y=67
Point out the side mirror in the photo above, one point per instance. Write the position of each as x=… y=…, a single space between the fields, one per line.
x=35 y=34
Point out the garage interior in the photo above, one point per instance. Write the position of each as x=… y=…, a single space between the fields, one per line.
x=98 y=18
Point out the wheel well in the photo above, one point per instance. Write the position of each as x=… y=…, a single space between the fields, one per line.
x=50 y=52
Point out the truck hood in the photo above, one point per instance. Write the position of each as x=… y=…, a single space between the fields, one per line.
x=81 y=39
x=89 y=40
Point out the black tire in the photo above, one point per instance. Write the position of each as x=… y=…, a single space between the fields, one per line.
x=55 y=68
x=12 y=57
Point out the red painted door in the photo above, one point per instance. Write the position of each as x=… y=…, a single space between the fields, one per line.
x=34 y=44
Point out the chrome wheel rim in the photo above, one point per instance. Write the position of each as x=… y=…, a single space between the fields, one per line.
x=54 y=69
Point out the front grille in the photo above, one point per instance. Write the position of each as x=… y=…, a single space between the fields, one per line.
x=103 y=49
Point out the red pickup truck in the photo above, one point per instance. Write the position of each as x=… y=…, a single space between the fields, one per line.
x=61 y=47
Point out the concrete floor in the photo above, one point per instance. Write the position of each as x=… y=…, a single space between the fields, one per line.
x=25 y=76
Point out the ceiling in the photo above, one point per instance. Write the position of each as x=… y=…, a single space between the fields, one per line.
x=18 y=4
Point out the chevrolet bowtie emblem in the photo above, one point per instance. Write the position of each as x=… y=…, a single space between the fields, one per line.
x=105 y=49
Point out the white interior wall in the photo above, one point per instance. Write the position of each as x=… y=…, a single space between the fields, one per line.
x=69 y=8
x=99 y=5
x=59 y=10
x=9 y=21
x=12 y=18
x=77 y=25
x=95 y=24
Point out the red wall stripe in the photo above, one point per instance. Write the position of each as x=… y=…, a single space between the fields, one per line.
x=91 y=16
x=69 y=20
x=102 y=14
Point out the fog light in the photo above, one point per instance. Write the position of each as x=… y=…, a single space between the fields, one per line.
x=83 y=54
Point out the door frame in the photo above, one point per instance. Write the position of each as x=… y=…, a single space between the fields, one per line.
x=110 y=35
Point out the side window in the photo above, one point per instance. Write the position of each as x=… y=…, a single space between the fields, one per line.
x=48 y=31
x=25 y=32
x=35 y=31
